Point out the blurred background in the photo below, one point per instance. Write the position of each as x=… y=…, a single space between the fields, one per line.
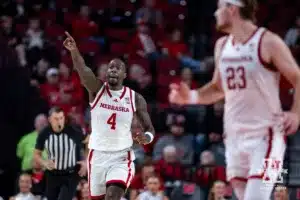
x=162 y=42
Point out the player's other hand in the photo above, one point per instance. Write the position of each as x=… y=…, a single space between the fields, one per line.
x=83 y=168
x=179 y=94
x=49 y=164
x=290 y=122
x=141 y=138
x=69 y=42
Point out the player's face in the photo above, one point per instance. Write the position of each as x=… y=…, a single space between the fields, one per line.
x=57 y=121
x=153 y=184
x=116 y=73
x=222 y=14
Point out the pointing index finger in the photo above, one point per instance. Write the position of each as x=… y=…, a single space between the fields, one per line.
x=68 y=34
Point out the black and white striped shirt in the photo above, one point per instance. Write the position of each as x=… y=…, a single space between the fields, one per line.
x=64 y=148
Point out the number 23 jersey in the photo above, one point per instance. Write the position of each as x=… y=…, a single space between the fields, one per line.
x=250 y=85
x=111 y=118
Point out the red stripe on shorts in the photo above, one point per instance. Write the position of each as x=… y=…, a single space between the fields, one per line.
x=270 y=142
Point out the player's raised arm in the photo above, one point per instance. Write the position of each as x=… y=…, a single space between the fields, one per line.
x=87 y=77
x=144 y=118
x=209 y=93
x=283 y=59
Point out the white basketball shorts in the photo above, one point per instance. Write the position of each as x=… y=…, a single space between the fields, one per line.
x=253 y=155
x=109 y=167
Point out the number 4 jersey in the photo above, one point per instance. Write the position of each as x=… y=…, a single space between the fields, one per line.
x=250 y=85
x=111 y=118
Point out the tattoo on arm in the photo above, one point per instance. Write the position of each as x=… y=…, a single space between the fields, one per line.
x=87 y=76
x=142 y=114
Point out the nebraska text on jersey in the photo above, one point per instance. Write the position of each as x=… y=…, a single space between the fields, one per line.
x=115 y=108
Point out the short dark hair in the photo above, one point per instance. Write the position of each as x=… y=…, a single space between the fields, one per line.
x=249 y=9
x=55 y=109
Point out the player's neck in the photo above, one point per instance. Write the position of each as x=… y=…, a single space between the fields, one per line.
x=116 y=88
x=242 y=30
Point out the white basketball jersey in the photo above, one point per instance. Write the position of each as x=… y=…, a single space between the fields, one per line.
x=111 y=117
x=251 y=89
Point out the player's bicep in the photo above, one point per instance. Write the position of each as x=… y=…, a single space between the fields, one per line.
x=284 y=61
x=142 y=113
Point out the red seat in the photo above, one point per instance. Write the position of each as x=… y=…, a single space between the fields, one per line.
x=21 y=28
x=125 y=5
x=69 y=17
x=89 y=47
x=98 y=4
x=120 y=34
x=167 y=66
x=118 y=48
x=142 y=62
x=63 y=4
x=55 y=31
x=48 y=15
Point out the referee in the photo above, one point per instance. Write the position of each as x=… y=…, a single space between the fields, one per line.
x=65 y=163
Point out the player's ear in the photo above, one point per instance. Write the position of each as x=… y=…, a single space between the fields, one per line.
x=125 y=75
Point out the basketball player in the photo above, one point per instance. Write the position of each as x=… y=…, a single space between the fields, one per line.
x=110 y=160
x=249 y=62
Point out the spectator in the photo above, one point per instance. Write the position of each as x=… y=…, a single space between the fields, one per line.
x=217 y=192
x=149 y=14
x=186 y=76
x=169 y=167
x=34 y=39
x=174 y=46
x=281 y=193
x=50 y=90
x=34 y=34
x=38 y=179
x=70 y=86
x=101 y=71
x=208 y=172
x=84 y=193
x=26 y=145
x=25 y=185
x=292 y=37
x=139 y=180
x=39 y=72
x=153 y=190
x=82 y=26
x=143 y=44
x=183 y=143
x=14 y=39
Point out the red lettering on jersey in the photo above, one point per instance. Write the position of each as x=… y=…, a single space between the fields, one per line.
x=236 y=78
x=238 y=59
x=114 y=108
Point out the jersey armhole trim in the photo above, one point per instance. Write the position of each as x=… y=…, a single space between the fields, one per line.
x=268 y=66
x=132 y=100
x=98 y=97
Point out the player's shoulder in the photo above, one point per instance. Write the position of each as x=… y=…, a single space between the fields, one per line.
x=221 y=41
x=271 y=40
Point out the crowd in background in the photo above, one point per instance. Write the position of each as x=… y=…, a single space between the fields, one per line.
x=162 y=42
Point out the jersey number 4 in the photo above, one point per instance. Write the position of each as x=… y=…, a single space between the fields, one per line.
x=112 y=121
x=236 y=78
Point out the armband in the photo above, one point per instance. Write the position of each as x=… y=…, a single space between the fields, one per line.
x=150 y=136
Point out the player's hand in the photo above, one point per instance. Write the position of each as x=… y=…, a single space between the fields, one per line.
x=69 y=42
x=179 y=94
x=49 y=164
x=142 y=138
x=290 y=122
x=83 y=168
